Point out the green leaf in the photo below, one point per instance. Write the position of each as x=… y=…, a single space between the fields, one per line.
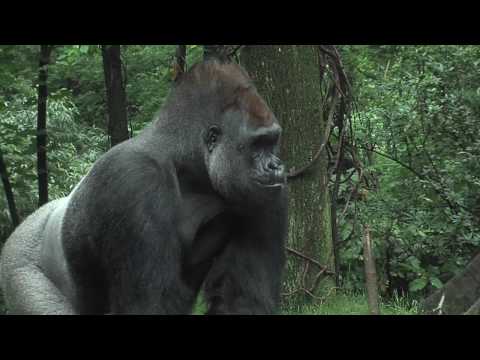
x=84 y=49
x=414 y=263
x=436 y=282
x=418 y=284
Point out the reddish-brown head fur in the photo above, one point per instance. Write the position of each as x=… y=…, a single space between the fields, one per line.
x=259 y=113
x=233 y=83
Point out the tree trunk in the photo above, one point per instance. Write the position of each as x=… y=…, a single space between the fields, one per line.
x=42 y=167
x=289 y=79
x=474 y=309
x=221 y=52
x=8 y=192
x=371 y=280
x=211 y=51
x=181 y=58
x=116 y=96
x=334 y=215
x=458 y=295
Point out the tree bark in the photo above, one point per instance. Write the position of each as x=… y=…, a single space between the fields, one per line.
x=371 y=280
x=116 y=96
x=288 y=77
x=181 y=58
x=8 y=192
x=42 y=166
x=212 y=51
x=474 y=309
x=222 y=52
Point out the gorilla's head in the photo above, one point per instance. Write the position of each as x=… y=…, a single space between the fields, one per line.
x=241 y=140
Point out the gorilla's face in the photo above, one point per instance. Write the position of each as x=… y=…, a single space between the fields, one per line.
x=242 y=152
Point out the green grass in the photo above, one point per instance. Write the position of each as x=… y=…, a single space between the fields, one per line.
x=353 y=304
x=341 y=304
x=200 y=307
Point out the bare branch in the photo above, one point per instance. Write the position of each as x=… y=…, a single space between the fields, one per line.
x=293 y=173
x=307 y=258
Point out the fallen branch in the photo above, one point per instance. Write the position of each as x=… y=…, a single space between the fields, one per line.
x=474 y=309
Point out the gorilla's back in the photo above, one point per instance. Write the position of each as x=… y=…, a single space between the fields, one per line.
x=23 y=245
x=28 y=251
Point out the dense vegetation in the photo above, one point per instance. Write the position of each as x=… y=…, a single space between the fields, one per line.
x=415 y=120
x=418 y=111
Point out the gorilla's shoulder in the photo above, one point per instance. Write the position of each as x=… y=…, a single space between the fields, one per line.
x=127 y=169
x=128 y=159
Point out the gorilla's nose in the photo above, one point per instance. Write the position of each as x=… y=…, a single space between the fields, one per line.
x=273 y=166
x=276 y=171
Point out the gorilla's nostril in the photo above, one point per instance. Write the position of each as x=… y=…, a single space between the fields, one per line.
x=272 y=166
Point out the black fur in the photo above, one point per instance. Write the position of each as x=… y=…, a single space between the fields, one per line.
x=199 y=198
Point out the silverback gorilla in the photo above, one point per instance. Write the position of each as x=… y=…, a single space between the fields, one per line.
x=198 y=199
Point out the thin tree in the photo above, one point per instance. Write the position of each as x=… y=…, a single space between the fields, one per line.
x=181 y=58
x=371 y=279
x=42 y=167
x=210 y=51
x=116 y=96
x=8 y=192
x=222 y=52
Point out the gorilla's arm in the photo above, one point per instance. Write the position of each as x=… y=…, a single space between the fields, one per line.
x=246 y=278
x=148 y=280
x=129 y=211
x=144 y=263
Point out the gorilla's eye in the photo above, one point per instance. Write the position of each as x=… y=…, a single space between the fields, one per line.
x=212 y=137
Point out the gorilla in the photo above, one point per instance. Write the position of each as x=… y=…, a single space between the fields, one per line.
x=197 y=201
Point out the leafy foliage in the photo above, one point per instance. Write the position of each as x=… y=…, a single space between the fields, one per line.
x=419 y=107
x=72 y=149
x=148 y=74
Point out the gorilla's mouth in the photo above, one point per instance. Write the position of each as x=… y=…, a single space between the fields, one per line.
x=274 y=185
x=271 y=180
x=270 y=173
